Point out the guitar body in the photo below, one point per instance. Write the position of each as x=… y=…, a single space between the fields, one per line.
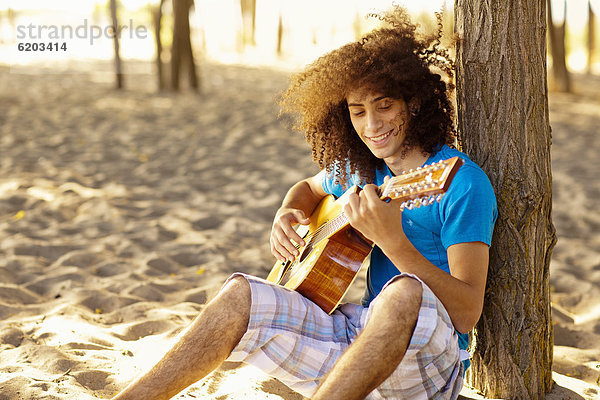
x=325 y=268
x=334 y=252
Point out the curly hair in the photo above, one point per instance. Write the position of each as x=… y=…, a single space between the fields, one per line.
x=391 y=60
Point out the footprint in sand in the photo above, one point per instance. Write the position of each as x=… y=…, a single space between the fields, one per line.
x=192 y=257
x=17 y=295
x=108 y=269
x=197 y=296
x=49 y=252
x=54 y=285
x=209 y=222
x=94 y=380
x=143 y=329
x=161 y=265
x=102 y=303
x=147 y=292
x=79 y=258
x=11 y=336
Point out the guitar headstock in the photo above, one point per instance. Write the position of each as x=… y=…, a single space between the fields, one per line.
x=423 y=185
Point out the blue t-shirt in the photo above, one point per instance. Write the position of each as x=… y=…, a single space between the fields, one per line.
x=466 y=213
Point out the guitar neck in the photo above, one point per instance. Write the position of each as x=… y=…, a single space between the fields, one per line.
x=330 y=227
x=421 y=186
x=414 y=188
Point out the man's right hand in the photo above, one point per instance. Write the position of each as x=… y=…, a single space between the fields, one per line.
x=284 y=236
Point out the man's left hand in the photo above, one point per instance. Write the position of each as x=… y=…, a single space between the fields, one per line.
x=377 y=220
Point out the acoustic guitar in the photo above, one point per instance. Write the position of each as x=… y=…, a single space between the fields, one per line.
x=334 y=252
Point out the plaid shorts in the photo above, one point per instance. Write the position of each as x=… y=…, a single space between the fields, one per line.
x=292 y=339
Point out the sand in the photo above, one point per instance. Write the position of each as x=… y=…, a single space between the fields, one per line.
x=122 y=213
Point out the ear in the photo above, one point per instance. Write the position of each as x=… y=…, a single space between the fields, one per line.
x=414 y=106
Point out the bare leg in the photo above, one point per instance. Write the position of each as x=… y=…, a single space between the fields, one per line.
x=201 y=348
x=378 y=350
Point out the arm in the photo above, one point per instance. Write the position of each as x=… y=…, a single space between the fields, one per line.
x=299 y=203
x=461 y=292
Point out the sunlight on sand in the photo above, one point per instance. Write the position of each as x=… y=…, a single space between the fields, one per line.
x=578 y=386
x=122 y=213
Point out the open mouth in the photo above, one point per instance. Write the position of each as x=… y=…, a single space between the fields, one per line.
x=381 y=138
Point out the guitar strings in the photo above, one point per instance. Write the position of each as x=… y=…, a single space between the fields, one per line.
x=339 y=221
x=326 y=229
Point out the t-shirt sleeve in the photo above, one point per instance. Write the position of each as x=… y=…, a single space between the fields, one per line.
x=468 y=210
x=330 y=186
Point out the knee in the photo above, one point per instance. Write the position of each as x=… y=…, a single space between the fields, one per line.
x=236 y=292
x=402 y=294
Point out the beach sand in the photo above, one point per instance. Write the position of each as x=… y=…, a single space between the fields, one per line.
x=122 y=213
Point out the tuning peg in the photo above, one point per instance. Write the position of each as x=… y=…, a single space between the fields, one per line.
x=410 y=205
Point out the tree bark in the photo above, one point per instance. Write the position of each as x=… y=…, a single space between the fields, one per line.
x=181 y=50
x=116 y=35
x=157 y=17
x=591 y=44
x=560 y=72
x=503 y=119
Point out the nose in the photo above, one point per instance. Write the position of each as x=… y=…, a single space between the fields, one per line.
x=374 y=122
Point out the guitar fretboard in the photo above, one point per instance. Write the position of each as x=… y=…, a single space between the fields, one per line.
x=328 y=228
x=414 y=188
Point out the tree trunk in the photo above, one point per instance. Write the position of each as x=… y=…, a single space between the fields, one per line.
x=116 y=34
x=280 y=34
x=248 y=8
x=189 y=53
x=591 y=44
x=12 y=17
x=157 y=17
x=560 y=72
x=181 y=50
x=503 y=119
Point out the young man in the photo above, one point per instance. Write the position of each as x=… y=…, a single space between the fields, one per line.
x=370 y=110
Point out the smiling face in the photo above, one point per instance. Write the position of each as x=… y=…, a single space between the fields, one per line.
x=381 y=123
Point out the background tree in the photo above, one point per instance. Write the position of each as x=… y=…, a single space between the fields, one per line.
x=116 y=34
x=11 y=16
x=560 y=72
x=279 y=46
x=182 y=55
x=248 y=8
x=157 y=14
x=591 y=43
x=503 y=119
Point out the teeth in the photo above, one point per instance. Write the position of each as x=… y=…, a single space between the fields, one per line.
x=380 y=137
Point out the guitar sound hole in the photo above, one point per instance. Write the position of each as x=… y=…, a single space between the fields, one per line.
x=305 y=253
